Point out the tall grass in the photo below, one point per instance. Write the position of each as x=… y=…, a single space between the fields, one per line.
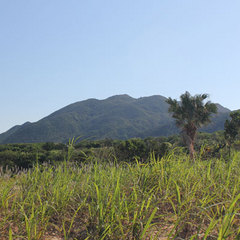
x=170 y=197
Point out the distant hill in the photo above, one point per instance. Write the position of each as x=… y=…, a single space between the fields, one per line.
x=117 y=117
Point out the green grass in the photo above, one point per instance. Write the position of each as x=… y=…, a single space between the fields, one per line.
x=171 y=197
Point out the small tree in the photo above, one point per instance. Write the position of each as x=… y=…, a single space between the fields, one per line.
x=191 y=113
x=232 y=128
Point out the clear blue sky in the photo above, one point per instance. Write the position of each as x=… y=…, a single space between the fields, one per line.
x=56 y=52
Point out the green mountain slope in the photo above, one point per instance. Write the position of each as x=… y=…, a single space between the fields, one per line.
x=117 y=117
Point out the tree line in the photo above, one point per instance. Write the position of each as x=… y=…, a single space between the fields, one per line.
x=190 y=113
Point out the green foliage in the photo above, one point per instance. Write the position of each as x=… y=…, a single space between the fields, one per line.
x=130 y=149
x=191 y=110
x=26 y=155
x=231 y=129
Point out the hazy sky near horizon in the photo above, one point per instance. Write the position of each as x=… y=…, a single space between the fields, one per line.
x=54 y=53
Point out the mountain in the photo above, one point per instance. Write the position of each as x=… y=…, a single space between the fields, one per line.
x=11 y=131
x=117 y=117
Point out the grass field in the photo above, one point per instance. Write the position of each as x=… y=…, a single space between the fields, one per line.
x=168 y=198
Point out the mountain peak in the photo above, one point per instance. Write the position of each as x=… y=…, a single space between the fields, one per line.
x=222 y=109
x=117 y=117
x=120 y=97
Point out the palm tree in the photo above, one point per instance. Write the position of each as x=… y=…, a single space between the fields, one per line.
x=191 y=113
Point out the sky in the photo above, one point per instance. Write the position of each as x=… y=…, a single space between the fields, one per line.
x=57 y=52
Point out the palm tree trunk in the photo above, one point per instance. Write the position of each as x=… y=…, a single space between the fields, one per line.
x=191 y=149
x=189 y=138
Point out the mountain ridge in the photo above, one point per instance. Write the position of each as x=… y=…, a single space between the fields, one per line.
x=116 y=117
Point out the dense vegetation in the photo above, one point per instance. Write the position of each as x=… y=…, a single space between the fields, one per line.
x=25 y=155
x=118 y=117
x=169 y=197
